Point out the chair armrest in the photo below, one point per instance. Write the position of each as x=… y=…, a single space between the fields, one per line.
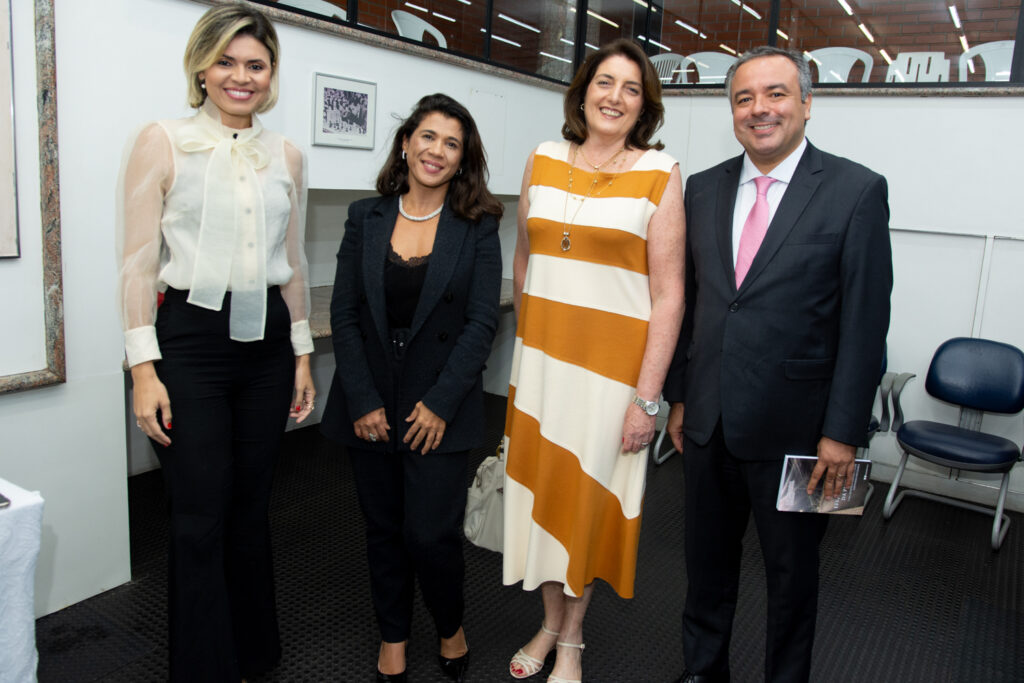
x=897 y=389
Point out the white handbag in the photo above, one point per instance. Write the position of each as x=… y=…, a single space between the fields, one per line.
x=485 y=504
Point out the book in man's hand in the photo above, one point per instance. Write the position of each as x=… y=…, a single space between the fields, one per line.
x=796 y=474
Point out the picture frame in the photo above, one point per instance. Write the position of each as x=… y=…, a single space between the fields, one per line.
x=344 y=111
x=10 y=244
x=55 y=371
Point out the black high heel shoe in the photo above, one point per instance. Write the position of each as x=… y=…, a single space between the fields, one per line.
x=391 y=678
x=454 y=669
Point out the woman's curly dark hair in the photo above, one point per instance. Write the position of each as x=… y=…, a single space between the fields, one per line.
x=467 y=191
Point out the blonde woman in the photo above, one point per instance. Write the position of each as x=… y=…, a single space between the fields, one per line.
x=214 y=303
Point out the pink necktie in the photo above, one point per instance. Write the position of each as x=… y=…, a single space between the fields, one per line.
x=754 y=229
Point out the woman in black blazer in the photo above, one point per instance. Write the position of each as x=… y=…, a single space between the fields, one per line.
x=413 y=314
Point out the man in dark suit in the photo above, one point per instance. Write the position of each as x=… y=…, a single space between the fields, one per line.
x=787 y=308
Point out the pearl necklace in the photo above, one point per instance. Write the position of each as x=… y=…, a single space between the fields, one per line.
x=417 y=219
x=566 y=244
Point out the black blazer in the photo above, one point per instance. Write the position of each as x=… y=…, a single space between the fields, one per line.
x=449 y=341
x=795 y=354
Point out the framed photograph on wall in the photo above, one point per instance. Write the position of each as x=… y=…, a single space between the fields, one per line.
x=9 y=243
x=344 y=111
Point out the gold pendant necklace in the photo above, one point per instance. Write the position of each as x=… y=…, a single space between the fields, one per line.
x=567 y=224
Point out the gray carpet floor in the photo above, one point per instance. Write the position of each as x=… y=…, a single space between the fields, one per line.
x=919 y=598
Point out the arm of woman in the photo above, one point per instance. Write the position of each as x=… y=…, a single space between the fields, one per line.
x=295 y=292
x=352 y=370
x=147 y=173
x=522 y=252
x=666 y=236
x=472 y=347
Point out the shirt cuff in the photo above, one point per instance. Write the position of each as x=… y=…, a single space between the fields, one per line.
x=302 y=338
x=140 y=345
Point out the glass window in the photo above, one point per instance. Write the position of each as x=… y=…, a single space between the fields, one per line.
x=850 y=41
x=698 y=40
x=450 y=24
x=693 y=42
x=535 y=37
x=334 y=9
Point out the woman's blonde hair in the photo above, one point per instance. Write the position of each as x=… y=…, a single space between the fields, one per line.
x=218 y=27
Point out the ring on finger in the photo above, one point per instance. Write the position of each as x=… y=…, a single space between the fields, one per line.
x=372 y=437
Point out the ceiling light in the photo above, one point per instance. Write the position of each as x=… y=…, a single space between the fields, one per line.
x=443 y=16
x=747 y=8
x=842 y=3
x=505 y=40
x=600 y=18
x=956 y=16
x=781 y=34
x=561 y=59
x=866 y=32
x=963 y=41
x=885 y=56
x=422 y=9
x=811 y=57
x=518 y=23
x=727 y=48
x=689 y=28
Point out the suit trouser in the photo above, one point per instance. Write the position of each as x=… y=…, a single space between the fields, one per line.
x=413 y=505
x=229 y=402
x=721 y=492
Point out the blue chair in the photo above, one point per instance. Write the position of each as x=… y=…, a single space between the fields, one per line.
x=979 y=376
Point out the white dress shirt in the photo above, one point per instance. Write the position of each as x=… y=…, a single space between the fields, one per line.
x=747 y=192
x=211 y=209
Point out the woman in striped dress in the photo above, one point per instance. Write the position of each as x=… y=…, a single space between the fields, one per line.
x=599 y=298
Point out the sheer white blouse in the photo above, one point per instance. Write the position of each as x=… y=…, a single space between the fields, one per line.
x=211 y=209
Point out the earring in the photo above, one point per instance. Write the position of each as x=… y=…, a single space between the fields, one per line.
x=581 y=106
x=403 y=155
x=202 y=84
x=459 y=172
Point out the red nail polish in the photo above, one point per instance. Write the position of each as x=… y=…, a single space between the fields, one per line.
x=168 y=425
x=298 y=408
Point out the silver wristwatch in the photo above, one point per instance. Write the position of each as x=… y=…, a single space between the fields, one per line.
x=649 y=407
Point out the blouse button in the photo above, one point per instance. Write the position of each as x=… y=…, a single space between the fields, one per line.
x=248 y=210
x=252 y=244
x=241 y=178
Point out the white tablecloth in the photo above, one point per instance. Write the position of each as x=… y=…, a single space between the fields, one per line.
x=20 y=530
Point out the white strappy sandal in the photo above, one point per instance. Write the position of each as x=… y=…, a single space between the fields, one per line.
x=528 y=665
x=556 y=679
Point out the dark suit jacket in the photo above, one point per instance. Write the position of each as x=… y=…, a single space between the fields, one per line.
x=794 y=354
x=449 y=341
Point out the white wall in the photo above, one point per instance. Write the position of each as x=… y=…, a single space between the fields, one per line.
x=958 y=242
x=951 y=165
x=67 y=441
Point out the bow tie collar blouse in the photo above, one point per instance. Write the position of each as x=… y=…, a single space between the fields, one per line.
x=211 y=209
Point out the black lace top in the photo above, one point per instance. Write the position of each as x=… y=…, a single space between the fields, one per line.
x=403 y=281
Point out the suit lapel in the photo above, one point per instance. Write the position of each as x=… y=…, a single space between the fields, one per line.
x=803 y=185
x=376 y=235
x=451 y=232
x=728 y=185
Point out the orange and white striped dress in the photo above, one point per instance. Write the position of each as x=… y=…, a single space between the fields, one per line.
x=572 y=496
